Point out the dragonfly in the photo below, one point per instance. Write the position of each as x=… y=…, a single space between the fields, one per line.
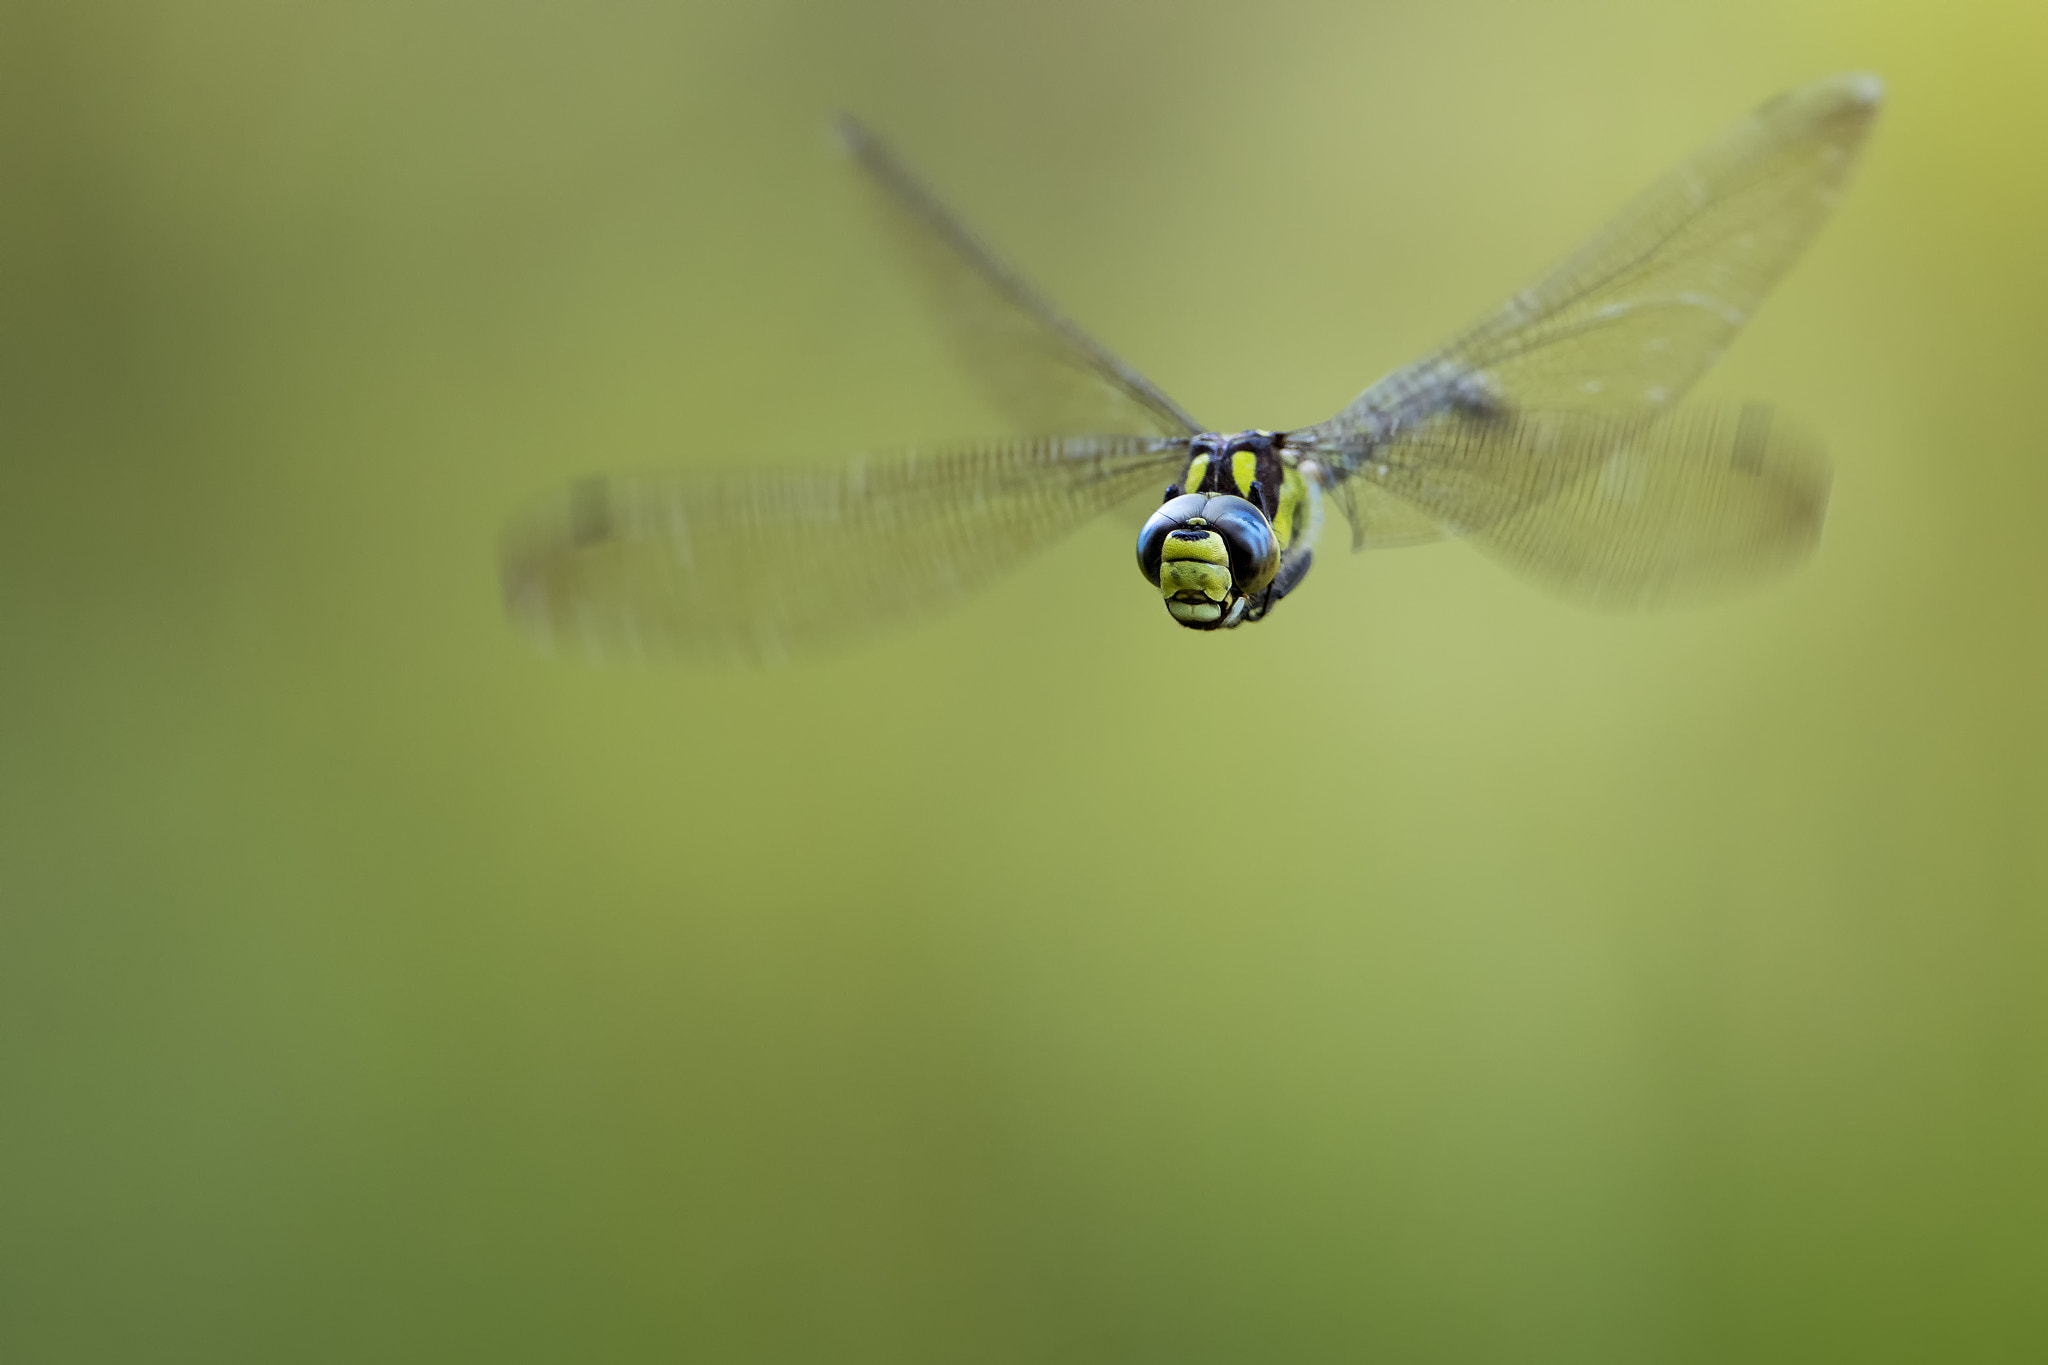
x=1551 y=435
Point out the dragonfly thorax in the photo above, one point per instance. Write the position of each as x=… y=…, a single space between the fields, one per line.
x=1246 y=464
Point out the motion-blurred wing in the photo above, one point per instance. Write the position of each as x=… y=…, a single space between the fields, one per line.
x=1631 y=319
x=1618 y=510
x=1040 y=370
x=767 y=564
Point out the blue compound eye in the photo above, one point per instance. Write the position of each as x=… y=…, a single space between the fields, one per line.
x=1254 y=550
x=1171 y=516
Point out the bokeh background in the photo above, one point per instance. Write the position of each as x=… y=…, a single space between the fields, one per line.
x=1454 y=976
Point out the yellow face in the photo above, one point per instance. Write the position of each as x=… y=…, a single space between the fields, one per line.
x=1194 y=575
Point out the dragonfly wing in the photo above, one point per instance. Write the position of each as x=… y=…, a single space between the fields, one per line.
x=1381 y=519
x=767 y=564
x=1041 y=371
x=1618 y=510
x=1633 y=317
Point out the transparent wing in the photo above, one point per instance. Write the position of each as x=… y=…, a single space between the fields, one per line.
x=1040 y=370
x=1381 y=519
x=1632 y=318
x=768 y=564
x=1618 y=510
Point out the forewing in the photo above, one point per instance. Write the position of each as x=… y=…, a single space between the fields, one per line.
x=1618 y=510
x=1039 y=369
x=1633 y=317
x=767 y=564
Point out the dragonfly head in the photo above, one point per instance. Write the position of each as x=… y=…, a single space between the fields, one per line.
x=1208 y=554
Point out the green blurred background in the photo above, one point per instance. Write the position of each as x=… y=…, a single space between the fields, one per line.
x=1536 y=986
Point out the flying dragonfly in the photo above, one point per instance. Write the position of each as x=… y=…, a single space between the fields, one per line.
x=1550 y=434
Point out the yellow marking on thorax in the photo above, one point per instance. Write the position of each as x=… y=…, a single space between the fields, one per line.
x=1198 y=469
x=1293 y=492
x=1244 y=471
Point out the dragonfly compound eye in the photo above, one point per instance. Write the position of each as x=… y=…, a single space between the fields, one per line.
x=1173 y=514
x=1254 y=550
